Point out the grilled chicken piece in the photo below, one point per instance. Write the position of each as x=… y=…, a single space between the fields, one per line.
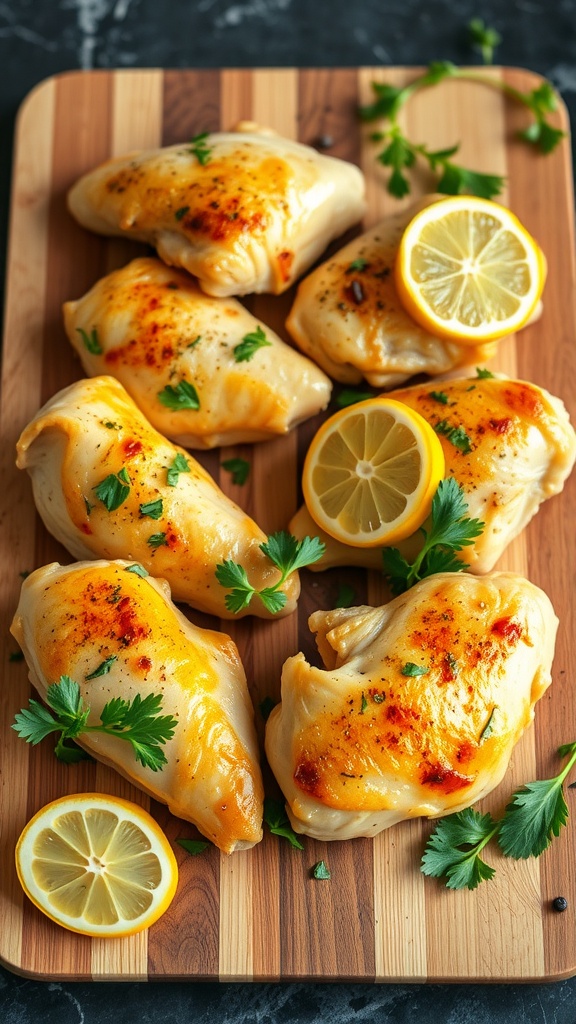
x=152 y=328
x=348 y=318
x=366 y=742
x=71 y=619
x=522 y=450
x=107 y=485
x=250 y=215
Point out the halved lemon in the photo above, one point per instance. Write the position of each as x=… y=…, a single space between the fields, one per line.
x=97 y=865
x=371 y=472
x=467 y=270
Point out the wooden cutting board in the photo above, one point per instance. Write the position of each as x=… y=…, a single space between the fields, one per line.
x=259 y=914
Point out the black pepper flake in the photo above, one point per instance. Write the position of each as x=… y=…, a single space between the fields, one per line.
x=560 y=904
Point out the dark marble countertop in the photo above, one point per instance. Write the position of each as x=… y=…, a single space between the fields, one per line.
x=39 y=38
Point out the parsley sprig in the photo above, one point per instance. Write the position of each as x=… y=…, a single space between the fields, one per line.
x=450 y=531
x=286 y=553
x=400 y=153
x=200 y=149
x=536 y=813
x=138 y=721
x=277 y=820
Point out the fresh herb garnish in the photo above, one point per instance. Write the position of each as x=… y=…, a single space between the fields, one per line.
x=363 y=704
x=400 y=153
x=450 y=531
x=483 y=374
x=103 y=668
x=535 y=814
x=138 y=570
x=250 y=344
x=138 y=721
x=91 y=341
x=179 y=465
x=197 y=340
x=113 y=490
x=239 y=468
x=484 y=39
x=153 y=509
x=345 y=597
x=456 y=435
x=489 y=727
x=411 y=669
x=348 y=396
x=439 y=396
x=286 y=553
x=181 y=396
x=157 y=540
x=278 y=821
x=193 y=846
x=356 y=266
x=181 y=212
x=321 y=870
x=198 y=147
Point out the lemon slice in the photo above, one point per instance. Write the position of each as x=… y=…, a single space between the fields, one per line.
x=371 y=472
x=467 y=270
x=97 y=865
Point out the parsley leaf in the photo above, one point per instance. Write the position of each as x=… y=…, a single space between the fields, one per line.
x=535 y=814
x=345 y=597
x=278 y=822
x=157 y=540
x=91 y=341
x=139 y=722
x=153 y=509
x=456 y=435
x=239 y=468
x=444 y=854
x=483 y=374
x=288 y=555
x=450 y=531
x=138 y=570
x=411 y=669
x=193 y=846
x=104 y=667
x=439 y=396
x=249 y=345
x=484 y=39
x=348 y=396
x=321 y=870
x=198 y=147
x=113 y=490
x=357 y=265
x=181 y=396
x=179 y=465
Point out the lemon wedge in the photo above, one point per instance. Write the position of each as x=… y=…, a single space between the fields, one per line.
x=97 y=865
x=371 y=472
x=467 y=270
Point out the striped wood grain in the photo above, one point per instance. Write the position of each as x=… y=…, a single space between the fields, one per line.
x=258 y=914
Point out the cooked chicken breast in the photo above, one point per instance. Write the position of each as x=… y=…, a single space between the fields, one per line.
x=71 y=619
x=418 y=707
x=508 y=443
x=152 y=328
x=107 y=485
x=245 y=211
x=347 y=315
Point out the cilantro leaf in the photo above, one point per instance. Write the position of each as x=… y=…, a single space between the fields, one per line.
x=179 y=465
x=181 y=396
x=250 y=344
x=113 y=490
x=285 y=552
x=456 y=180
x=239 y=468
x=278 y=822
x=444 y=854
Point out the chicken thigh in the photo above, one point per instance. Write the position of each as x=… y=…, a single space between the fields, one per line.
x=150 y=327
x=418 y=707
x=508 y=443
x=245 y=211
x=73 y=619
x=347 y=315
x=107 y=485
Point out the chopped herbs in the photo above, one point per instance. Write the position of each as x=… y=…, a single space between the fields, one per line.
x=197 y=340
x=103 y=668
x=535 y=814
x=157 y=540
x=286 y=553
x=181 y=212
x=489 y=727
x=363 y=704
x=278 y=822
x=193 y=846
x=239 y=468
x=357 y=265
x=110 y=425
x=348 y=396
x=138 y=570
x=320 y=870
x=411 y=669
x=179 y=465
x=439 y=396
x=180 y=396
x=138 y=721
x=198 y=147
x=450 y=531
x=91 y=341
x=483 y=374
x=484 y=39
x=113 y=490
x=249 y=345
x=456 y=435
x=153 y=509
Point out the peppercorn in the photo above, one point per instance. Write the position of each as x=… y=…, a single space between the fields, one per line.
x=560 y=903
x=324 y=142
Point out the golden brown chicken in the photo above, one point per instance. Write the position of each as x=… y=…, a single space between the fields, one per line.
x=150 y=326
x=418 y=707
x=347 y=315
x=245 y=211
x=508 y=443
x=107 y=485
x=73 y=620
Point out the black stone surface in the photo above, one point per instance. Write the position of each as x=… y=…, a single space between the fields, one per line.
x=39 y=38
